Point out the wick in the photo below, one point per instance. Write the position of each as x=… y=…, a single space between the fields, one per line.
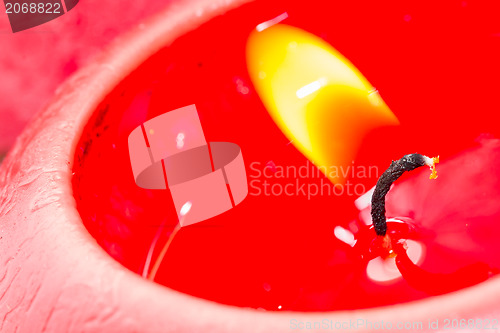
x=396 y=169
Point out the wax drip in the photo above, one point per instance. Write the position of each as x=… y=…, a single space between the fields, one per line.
x=396 y=169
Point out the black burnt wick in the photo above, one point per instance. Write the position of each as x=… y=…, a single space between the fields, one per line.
x=406 y=163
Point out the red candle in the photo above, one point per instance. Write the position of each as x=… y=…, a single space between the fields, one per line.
x=287 y=256
x=274 y=252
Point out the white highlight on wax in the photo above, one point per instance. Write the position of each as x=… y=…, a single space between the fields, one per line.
x=364 y=200
x=380 y=270
x=344 y=235
x=180 y=140
x=151 y=275
x=310 y=88
x=264 y=25
x=185 y=208
x=147 y=264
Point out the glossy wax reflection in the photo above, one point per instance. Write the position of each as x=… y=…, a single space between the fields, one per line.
x=319 y=100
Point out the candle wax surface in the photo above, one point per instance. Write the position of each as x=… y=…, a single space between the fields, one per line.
x=294 y=242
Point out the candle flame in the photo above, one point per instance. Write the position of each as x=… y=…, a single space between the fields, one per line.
x=431 y=162
x=318 y=99
x=434 y=175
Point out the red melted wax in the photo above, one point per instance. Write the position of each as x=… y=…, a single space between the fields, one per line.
x=436 y=66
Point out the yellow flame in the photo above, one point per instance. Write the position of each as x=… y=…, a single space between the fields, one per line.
x=318 y=99
x=434 y=174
